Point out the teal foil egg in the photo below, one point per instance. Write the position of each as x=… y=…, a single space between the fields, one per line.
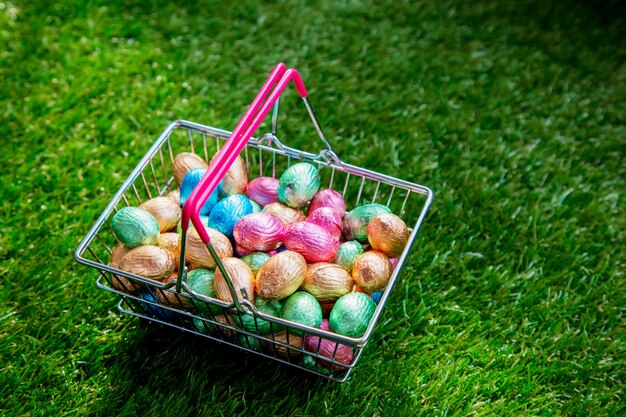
x=298 y=184
x=301 y=307
x=200 y=281
x=351 y=314
x=135 y=227
x=347 y=254
x=355 y=222
x=255 y=207
x=190 y=181
x=269 y=307
x=203 y=219
x=255 y=260
x=226 y=213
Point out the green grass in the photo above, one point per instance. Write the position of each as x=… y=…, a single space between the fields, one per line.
x=513 y=300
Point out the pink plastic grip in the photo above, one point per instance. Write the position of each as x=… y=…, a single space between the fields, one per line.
x=235 y=143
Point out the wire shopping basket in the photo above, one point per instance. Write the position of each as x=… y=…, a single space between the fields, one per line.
x=174 y=303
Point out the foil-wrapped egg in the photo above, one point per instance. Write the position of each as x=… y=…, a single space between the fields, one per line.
x=301 y=307
x=356 y=220
x=351 y=314
x=298 y=184
x=372 y=271
x=200 y=281
x=281 y=275
x=394 y=262
x=190 y=182
x=327 y=282
x=263 y=190
x=240 y=251
x=376 y=296
x=236 y=179
x=285 y=338
x=220 y=328
x=387 y=233
x=329 y=219
x=203 y=219
x=257 y=325
x=328 y=198
x=148 y=262
x=171 y=298
x=240 y=275
x=256 y=208
x=135 y=227
x=249 y=342
x=311 y=241
x=185 y=162
x=174 y=196
x=170 y=242
x=284 y=213
x=328 y=349
x=196 y=252
x=118 y=281
x=347 y=254
x=165 y=211
x=151 y=309
x=259 y=232
x=255 y=260
x=227 y=212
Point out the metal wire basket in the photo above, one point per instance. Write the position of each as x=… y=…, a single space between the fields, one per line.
x=175 y=304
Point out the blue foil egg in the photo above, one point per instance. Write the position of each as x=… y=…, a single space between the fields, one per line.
x=225 y=214
x=190 y=181
x=159 y=313
x=376 y=296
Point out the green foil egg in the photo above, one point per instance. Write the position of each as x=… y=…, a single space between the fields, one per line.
x=255 y=260
x=301 y=307
x=347 y=254
x=298 y=184
x=200 y=280
x=351 y=314
x=249 y=342
x=355 y=222
x=135 y=227
x=256 y=208
x=203 y=219
x=269 y=307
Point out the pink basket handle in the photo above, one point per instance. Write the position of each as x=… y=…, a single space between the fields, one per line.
x=236 y=142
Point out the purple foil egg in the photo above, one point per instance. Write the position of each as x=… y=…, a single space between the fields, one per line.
x=327 y=348
x=313 y=242
x=259 y=232
x=328 y=198
x=329 y=219
x=263 y=190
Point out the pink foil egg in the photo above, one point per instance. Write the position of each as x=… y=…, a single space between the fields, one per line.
x=259 y=232
x=327 y=349
x=263 y=190
x=394 y=262
x=328 y=198
x=313 y=242
x=329 y=219
x=240 y=251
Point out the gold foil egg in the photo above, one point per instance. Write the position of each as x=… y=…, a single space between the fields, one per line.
x=281 y=275
x=387 y=233
x=236 y=179
x=372 y=271
x=241 y=276
x=165 y=211
x=287 y=214
x=296 y=342
x=174 y=196
x=118 y=281
x=149 y=262
x=185 y=162
x=170 y=297
x=196 y=252
x=170 y=242
x=327 y=282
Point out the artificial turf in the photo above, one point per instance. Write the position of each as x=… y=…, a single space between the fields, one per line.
x=513 y=300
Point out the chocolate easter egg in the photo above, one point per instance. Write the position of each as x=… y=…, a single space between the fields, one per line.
x=240 y=251
x=257 y=325
x=135 y=227
x=165 y=211
x=185 y=162
x=148 y=262
x=259 y=232
x=196 y=252
x=221 y=329
x=227 y=212
x=118 y=281
x=298 y=184
x=347 y=254
x=376 y=296
x=235 y=180
x=150 y=309
x=203 y=219
x=351 y=314
x=372 y=271
x=355 y=222
x=174 y=196
x=255 y=207
x=200 y=281
x=190 y=182
x=311 y=241
x=327 y=282
x=255 y=260
x=263 y=190
x=170 y=242
x=249 y=342
x=287 y=214
x=171 y=298
x=281 y=275
x=301 y=307
x=293 y=345
x=328 y=349
x=240 y=275
x=328 y=219
x=387 y=233
x=328 y=198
